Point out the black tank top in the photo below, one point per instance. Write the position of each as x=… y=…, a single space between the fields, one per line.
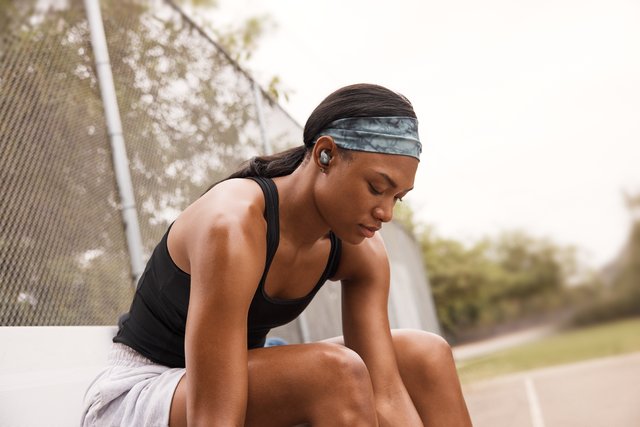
x=155 y=323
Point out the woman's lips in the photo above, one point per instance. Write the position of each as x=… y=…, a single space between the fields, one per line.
x=368 y=231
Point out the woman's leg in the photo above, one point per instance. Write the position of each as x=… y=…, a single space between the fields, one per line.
x=323 y=384
x=428 y=371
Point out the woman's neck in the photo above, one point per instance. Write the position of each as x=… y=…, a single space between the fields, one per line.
x=300 y=221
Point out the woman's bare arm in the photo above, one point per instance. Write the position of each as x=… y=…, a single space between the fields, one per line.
x=365 y=292
x=226 y=258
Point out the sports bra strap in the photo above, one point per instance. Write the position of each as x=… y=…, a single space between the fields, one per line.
x=272 y=216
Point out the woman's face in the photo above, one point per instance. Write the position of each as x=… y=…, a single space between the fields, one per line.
x=358 y=192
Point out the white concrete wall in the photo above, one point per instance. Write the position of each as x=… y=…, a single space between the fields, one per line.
x=45 y=370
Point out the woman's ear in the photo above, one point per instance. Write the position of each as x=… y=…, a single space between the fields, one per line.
x=324 y=152
x=325 y=157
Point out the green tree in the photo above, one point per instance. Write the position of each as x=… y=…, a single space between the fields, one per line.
x=495 y=280
x=619 y=295
x=403 y=214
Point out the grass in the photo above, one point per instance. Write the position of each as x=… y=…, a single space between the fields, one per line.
x=574 y=345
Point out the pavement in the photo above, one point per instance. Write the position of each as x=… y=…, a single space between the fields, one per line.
x=597 y=393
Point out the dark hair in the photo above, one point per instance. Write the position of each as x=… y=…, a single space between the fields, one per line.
x=359 y=100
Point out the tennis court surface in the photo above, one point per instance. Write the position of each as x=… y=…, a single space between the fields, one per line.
x=596 y=393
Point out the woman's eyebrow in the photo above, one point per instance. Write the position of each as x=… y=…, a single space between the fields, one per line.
x=391 y=182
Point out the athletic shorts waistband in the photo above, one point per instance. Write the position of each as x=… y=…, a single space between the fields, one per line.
x=123 y=355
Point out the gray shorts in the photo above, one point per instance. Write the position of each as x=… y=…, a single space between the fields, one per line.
x=131 y=391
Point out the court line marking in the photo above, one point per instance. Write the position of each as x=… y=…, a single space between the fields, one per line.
x=534 y=404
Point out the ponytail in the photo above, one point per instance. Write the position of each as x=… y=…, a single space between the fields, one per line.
x=279 y=164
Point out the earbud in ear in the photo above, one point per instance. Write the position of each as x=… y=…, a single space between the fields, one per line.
x=324 y=158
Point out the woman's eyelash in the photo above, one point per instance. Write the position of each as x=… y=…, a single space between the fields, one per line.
x=379 y=193
x=374 y=191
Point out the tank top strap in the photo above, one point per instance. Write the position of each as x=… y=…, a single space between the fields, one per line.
x=334 y=257
x=271 y=215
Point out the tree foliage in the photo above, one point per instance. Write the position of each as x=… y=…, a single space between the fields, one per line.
x=240 y=39
x=58 y=199
x=495 y=280
x=619 y=294
x=491 y=282
x=188 y=118
x=515 y=276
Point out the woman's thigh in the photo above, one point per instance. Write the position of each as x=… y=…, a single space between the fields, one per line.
x=293 y=384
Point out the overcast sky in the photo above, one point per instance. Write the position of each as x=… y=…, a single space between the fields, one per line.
x=529 y=110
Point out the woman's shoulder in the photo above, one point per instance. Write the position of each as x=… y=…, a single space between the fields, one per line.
x=363 y=259
x=232 y=205
x=234 y=197
x=234 y=200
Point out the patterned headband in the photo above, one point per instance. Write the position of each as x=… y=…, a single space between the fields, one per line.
x=388 y=135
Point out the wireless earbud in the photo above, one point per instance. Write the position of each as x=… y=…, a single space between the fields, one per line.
x=325 y=158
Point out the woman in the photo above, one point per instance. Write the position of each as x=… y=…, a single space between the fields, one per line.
x=319 y=207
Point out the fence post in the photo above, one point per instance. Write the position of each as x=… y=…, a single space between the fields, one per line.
x=114 y=129
x=266 y=146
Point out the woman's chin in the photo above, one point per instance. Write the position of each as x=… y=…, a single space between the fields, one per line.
x=351 y=238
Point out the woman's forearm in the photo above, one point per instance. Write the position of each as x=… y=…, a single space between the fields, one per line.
x=397 y=409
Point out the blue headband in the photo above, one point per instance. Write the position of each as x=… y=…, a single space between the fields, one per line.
x=388 y=135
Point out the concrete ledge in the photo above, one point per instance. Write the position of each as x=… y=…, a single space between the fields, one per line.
x=44 y=372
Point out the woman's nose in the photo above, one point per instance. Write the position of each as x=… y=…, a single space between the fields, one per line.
x=383 y=213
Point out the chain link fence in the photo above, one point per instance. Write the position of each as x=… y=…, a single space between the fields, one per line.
x=189 y=116
x=63 y=257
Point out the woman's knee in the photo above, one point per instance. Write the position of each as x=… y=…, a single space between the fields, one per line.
x=337 y=362
x=347 y=384
x=423 y=348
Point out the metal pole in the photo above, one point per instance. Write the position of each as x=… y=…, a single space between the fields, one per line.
x=266 y=146
x=114 y=129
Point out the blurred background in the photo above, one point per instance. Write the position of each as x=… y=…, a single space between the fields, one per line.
x=520 y=243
